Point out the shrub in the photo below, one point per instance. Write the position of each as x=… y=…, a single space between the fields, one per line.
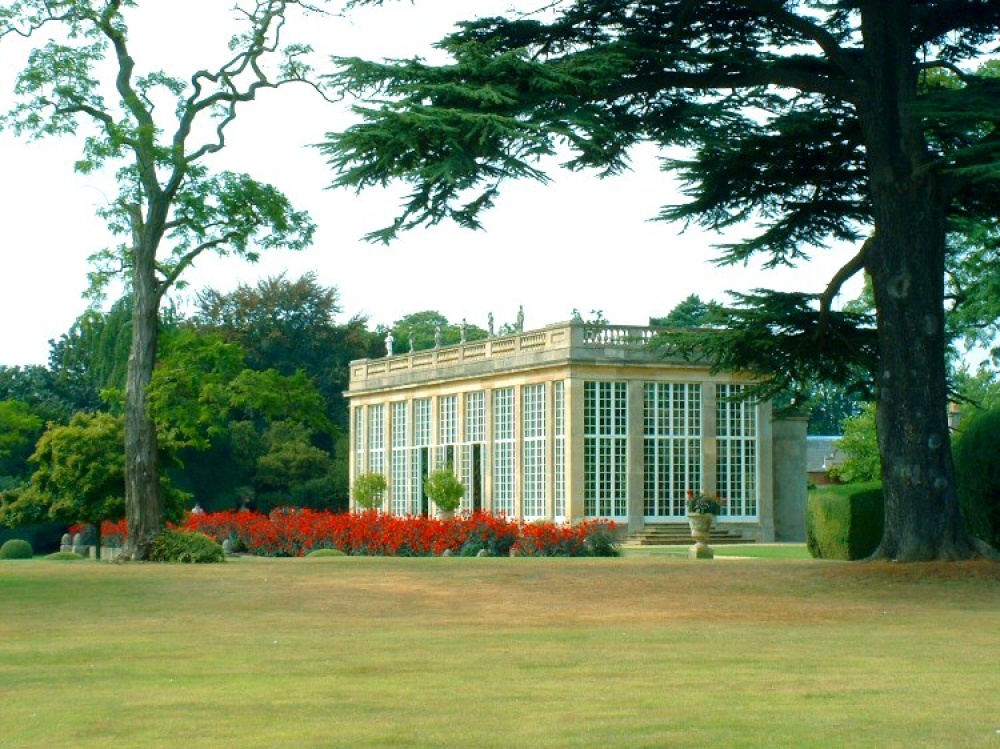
x=977 y=466
x=601 y=541
x=368 y=490
x=321 y=553
x=16 y=548
x=845 y=522
x=64 y=556
x=444 y=490
x=185 y=546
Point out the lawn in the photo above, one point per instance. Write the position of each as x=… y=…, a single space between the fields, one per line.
x=644 y=651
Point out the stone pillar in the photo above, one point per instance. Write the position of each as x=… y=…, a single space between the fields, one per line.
x=790 y=480
x=636 y=457
x=765 y=472
x=550 y=450
x=709 y=441
x=487 y=457
x=387 y=424
x=574 y=450
x=518 y=453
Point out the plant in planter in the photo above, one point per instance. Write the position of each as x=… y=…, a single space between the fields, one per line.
x=703 y=504
x=445 y=491
x=368 y=490
x=701 y=511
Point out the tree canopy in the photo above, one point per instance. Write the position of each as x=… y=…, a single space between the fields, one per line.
x=809 y=122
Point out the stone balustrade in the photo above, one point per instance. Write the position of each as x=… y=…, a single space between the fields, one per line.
x=561 y=341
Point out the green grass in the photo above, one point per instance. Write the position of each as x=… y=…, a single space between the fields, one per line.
x=751 y=551
x=644 y=651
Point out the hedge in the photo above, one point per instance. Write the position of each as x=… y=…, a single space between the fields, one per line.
x=845 y=522
x=977 y=466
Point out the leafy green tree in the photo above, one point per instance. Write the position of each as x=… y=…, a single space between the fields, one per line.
x=816 y=120
x=290 y=465
x=421 y=329
x=977 y=392
x=218 y=414
x=291 y=326
x=169 y=207
x=79 y=476
x=52 y=397
x=93 y=353
x=20 y=428
x=691 y=312
x=859 y=446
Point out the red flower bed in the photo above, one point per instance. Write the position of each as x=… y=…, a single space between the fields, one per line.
x=292 y=532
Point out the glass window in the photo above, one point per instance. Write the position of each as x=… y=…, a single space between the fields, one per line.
x=671 y=447
x=736 y=447
x=605 y=449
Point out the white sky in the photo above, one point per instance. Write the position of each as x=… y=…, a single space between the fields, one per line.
x=579 y=242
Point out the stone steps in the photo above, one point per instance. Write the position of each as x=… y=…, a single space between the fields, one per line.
x=677 y=534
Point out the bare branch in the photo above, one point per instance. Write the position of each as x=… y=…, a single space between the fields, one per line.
x=851 y=268
x=171 y=276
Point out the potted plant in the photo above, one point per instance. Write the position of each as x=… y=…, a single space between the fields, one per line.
x=703 y=504
x=368 y=490
x=701 y=511
x=445 y=491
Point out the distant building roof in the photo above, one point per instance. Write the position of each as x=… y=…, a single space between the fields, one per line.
x=822 y=453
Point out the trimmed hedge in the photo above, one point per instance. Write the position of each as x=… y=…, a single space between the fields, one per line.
x=845 y=522
x=977 y=466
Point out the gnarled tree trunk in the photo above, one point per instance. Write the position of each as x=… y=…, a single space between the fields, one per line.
x=143 y=498
x=906 y=262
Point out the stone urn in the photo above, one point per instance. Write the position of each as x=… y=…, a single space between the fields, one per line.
x=701 y=529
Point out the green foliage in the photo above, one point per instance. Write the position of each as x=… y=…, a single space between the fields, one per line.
x=80 y=473
x=79 y=476
x=288 y=462
x=977 y=391
x=291 y=326
x=844 y=522
x=859 y=446
x=93 y=354
x=50 y=393
x=185 y=546
x=16 y=548
x=421 y=328
x=977 y=464
x=444 y=489
x=783 y=339
x=601 y=541
x=691 y=312
x=368 y=490
x=20 y=428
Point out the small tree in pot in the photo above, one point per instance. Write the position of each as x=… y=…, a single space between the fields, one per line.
x=445 y=491
x=368 y=490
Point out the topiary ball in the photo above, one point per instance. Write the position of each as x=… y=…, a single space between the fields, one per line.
x=64 y=556
x=16 y=548
x=320 y=553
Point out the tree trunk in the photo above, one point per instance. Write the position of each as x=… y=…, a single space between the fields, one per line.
x=922 y=516
x=143 y=498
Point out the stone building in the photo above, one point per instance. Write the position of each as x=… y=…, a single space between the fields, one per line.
x=575 y=421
